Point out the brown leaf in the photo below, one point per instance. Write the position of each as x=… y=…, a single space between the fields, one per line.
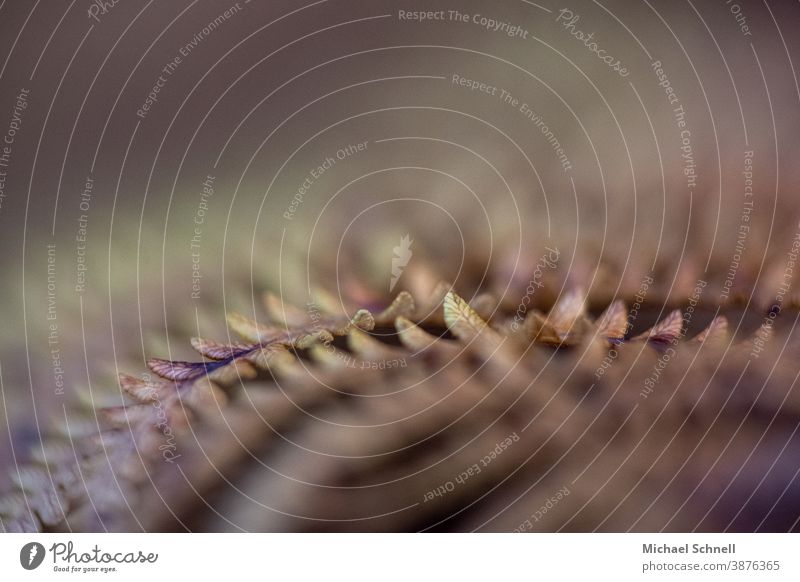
x=219 y=351
x=461 y=318
x=717 y=331
x=565 y=324
x=269 y=357
x=178 y=371
x=139 y=389
x=613 y=323
x=537 y=328
x=665 y=331
x=568 y=315
x=402 y=306
x=463 y=322
x=363 y=319
x=429 y=309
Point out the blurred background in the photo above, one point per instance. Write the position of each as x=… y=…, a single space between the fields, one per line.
x=166 y=162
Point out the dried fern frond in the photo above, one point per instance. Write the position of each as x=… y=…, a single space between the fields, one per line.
x=436 y=413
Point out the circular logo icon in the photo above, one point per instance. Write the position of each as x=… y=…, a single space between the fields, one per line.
x=31 y=555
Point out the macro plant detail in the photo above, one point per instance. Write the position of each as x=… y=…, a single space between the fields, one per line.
x=200 y=420
x=278 y=268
